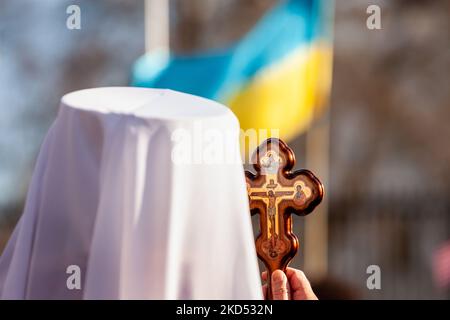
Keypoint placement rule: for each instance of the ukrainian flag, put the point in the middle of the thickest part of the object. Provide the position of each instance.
(277, 76)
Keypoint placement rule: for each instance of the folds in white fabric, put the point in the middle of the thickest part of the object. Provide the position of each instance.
(108, 197)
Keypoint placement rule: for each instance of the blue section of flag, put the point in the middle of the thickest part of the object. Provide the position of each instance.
(219, 74)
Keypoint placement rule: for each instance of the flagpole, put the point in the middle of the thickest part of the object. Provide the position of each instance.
(318, 159)
(157, 29)
(316, 225)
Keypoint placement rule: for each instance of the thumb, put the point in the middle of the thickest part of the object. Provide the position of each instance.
(280, 290)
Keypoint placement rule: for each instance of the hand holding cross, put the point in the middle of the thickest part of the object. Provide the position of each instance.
(275, 193)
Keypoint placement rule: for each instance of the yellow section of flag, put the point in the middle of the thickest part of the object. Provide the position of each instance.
(287, 95)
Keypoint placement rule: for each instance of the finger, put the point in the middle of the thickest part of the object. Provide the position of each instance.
(264, 276)
(300, 286)
(280, 289)
(264, 289)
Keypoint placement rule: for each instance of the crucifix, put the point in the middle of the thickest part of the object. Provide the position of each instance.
(275, 192)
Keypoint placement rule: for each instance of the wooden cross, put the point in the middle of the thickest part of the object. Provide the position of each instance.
(275, 192)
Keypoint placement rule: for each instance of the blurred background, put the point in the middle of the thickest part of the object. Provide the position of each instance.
(380, 142)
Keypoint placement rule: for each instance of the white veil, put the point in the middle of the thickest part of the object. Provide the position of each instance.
(109, 207)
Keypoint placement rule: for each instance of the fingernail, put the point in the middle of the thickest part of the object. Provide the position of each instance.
(277, 275)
